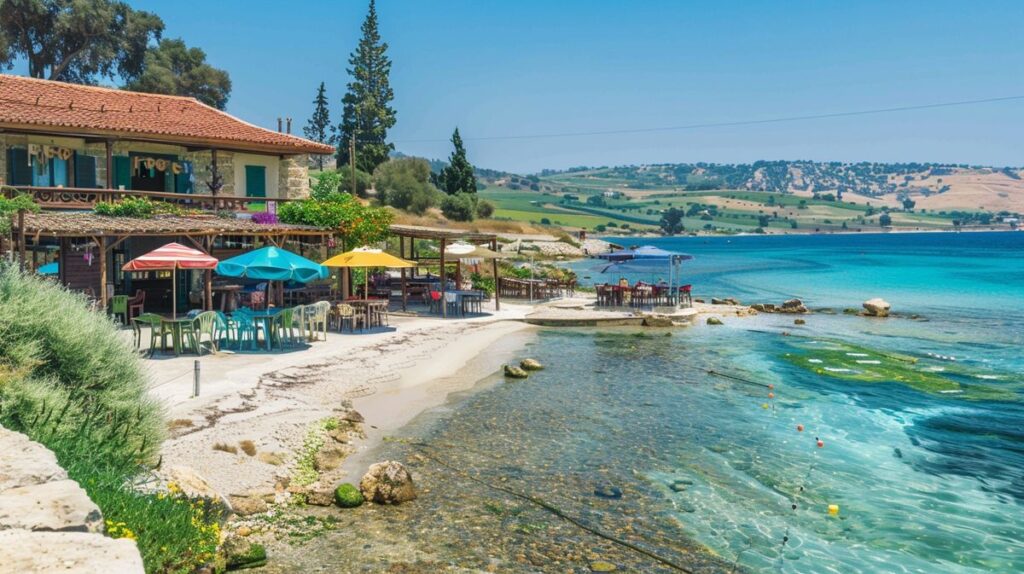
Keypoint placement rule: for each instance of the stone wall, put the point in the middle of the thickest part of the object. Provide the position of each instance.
(4, 179)
(293, 177)
(47, 522)
(201, 161)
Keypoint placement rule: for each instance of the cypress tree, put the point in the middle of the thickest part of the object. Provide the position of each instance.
(457, 176)
(366, 111)
(319, 128)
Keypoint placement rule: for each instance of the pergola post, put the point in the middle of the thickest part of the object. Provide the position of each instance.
(405, 292)
(443, 302)
(497, 280)
(109, 145)
(21, 237)
(208, 279)
(102, 242)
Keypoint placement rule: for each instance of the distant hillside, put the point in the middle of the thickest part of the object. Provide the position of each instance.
(931, 185)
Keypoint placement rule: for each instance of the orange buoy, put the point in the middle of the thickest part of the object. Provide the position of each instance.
(771, 386)
(771, 395)
(821, 443)
(799, 428)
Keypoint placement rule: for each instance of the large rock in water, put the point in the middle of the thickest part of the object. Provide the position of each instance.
(657, 321)
(388, 482)
(793, 306)
(876, 307)
(530, 365)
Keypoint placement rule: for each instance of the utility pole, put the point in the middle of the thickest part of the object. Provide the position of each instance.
(352, 162)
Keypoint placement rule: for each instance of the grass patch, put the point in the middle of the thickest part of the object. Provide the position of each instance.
(248, 447)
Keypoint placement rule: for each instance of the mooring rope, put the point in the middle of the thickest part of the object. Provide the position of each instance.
(739, 379)
(553, 510)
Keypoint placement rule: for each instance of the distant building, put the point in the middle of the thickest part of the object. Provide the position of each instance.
(612, 194)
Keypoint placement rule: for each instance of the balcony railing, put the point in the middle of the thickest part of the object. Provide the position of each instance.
(77, 198)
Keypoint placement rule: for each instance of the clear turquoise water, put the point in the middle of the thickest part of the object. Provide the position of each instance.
(925, 481)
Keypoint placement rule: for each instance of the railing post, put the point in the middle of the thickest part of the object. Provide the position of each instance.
(195, 379)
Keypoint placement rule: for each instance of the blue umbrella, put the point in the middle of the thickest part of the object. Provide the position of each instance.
(272, 264)
(48, 269)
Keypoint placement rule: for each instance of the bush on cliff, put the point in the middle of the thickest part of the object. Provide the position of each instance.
(70, 381)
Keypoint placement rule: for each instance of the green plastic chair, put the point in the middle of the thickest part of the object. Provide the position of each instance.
(204, 324)
(157, 332)
(284, 322)
(119, 306)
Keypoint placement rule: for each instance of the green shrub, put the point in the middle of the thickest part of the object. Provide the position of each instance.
(404, 183)
(459, 207)
(348, 496)
(137, 207)
(70, 381)
(484, 209)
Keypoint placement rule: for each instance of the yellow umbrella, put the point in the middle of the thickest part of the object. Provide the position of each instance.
(367, 257)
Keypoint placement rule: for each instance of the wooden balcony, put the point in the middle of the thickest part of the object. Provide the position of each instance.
(76, 198)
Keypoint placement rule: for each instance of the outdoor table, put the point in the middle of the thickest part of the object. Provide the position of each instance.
(176, 327)
(462, 295)
(228, 296)
(267, 317)
(366, 307)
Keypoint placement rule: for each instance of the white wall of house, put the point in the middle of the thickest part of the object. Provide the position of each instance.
(270, 162)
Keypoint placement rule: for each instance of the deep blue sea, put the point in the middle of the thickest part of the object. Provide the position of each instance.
(921, 422)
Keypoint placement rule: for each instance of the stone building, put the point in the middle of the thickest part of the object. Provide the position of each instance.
(55, 135)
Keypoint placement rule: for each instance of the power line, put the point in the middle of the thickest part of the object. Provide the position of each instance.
(729, 123)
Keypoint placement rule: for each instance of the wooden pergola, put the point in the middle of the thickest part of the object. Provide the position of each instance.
(109, 232)
(444, 236)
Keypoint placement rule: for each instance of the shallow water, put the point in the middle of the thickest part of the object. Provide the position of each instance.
(926, 477)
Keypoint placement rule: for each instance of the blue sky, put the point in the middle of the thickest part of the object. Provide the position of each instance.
(537, 67)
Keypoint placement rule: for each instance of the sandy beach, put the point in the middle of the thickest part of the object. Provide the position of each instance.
(273, 399)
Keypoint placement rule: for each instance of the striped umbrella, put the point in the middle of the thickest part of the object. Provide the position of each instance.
(172, 257)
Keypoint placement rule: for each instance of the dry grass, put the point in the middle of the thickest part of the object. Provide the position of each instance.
(434, 218)
(248, 447)
(225, 448)
(178, 424)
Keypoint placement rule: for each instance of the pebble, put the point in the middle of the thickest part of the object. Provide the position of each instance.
(602, 566)
(243, 531)
(609, 492)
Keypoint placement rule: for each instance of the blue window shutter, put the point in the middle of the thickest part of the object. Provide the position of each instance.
(85, 170)
(19, 172)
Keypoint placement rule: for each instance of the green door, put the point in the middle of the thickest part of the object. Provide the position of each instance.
(122, 172)
(255, 181)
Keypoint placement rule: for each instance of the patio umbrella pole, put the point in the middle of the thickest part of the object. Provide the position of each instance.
(174, 293)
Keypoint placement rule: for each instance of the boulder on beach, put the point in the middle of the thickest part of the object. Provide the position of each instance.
(348, 496)
(387, 482)
(246, 505)
(876, 307)
(714, 321)
(530, 365)
(514, 372)
(724, 301)
(195, 486)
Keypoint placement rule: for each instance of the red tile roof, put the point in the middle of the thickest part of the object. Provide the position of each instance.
(45, 106)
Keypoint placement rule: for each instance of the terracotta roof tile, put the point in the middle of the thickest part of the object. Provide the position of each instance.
(175, 119)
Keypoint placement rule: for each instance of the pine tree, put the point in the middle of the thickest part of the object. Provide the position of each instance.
(366, 111)
(319, 128)
(457, 176)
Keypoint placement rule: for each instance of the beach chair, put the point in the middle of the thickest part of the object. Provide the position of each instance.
(284, 322)
(246, 327)
(119, 308)
(345, 312)
(226, 330)
(136, 305)
(157, 332)
(203, 323)
(316, 317)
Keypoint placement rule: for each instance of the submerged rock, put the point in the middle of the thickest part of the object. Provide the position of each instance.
(530, 365)
(514, 372)
(320, 497)
(799, 322)
(657, 321)
(330, 457)
(714, 321)
(387, 482)
(602, 566)
(876, 307)
(608, 491)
